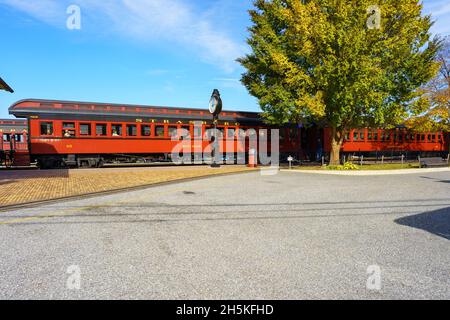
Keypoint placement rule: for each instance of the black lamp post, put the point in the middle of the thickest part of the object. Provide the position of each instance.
(215, 107)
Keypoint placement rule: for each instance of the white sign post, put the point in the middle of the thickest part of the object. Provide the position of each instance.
(290, 159)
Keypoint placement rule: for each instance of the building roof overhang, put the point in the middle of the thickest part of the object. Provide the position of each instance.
(5, 86)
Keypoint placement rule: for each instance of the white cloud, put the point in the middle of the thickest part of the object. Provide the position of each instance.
(173, 21)
(48, 11)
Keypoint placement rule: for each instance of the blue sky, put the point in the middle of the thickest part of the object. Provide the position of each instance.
(158, 52)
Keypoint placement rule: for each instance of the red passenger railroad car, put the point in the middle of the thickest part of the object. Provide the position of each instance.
(14, 142)
(62, 133)
(394, 141)
(65, 133)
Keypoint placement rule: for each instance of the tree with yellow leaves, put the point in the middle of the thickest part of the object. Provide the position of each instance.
(432, 111)
(346, 64)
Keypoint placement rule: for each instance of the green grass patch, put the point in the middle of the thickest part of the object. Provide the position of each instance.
(369, 167)
(391, 166)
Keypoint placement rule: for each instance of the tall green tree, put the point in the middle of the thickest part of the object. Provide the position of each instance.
(346, 64)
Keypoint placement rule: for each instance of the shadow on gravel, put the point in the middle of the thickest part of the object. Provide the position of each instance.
(436, 222)
(437, 180)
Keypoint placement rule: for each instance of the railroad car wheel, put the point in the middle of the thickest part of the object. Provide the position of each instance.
(100, 163)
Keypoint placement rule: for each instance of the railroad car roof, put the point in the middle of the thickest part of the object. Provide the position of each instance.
(36, 107)
(7, 125)
(4, 86)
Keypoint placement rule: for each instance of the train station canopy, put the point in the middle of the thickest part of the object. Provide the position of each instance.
(4, 86)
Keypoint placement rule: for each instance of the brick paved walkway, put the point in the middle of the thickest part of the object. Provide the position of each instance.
(18, 187)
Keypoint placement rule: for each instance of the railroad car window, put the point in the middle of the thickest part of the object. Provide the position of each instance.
(374, 136)
(388, 137)
(282, 135)
(355, 136)
(197, 131)
(209, 133)
(159, 131)
(68, 125)
(241, 134)
(131, 130)
(220, 132)
(422, 137)
(361, 135)
(6, 137)
(100, 130)
(439, 138)
(347, 136)
(146, 131)
(185, 132)
(293, 133)
(116, 130)
(173, 132)
(400, 137)
(262, 133)
(85, 129)
(46, 128)
(68, 130)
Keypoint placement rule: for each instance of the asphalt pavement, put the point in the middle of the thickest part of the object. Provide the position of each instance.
(245, 236)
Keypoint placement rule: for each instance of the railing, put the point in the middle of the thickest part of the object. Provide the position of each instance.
(13, 145)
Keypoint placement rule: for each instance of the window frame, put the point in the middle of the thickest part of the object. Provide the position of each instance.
(143, 126)
(129, 126)
(172, 131)
(71, 127)
(113, 127)
(180, 132)
(89, 134)
(231, 129)
(52, 128)
(105, 125)
(198, 132)
(163, 131)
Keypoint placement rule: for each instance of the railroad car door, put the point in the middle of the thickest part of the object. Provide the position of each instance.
(312, 143)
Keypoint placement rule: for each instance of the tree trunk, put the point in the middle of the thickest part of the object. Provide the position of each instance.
(337, 138)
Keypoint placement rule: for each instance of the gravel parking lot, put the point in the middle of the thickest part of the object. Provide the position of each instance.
(245, 236)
